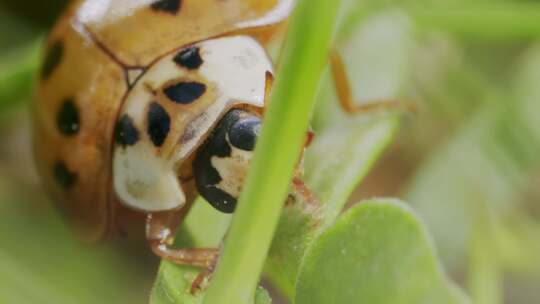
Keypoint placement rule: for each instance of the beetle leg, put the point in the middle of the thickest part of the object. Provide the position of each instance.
(310, 135)
(305, 194)
(200, 283)
(268, 88)
(344, 92)
(160, 231)
(199, 257)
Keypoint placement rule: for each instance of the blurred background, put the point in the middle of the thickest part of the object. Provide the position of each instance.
(467, 162)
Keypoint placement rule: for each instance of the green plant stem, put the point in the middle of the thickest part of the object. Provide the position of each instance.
(486, 20)
(283, 134)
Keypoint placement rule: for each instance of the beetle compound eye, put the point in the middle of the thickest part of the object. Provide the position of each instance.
(244, 133)
(222, 162)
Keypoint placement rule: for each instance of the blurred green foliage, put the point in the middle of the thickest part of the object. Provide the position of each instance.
(466, 162)
(35, 13)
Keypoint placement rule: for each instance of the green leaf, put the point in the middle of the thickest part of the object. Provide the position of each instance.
(345, 146)
(295, 233)
(337, 162)
(358, 146)
(378, 252)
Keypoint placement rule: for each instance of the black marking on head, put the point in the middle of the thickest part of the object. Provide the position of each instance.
(189, 58)
(206, 176)
(244, 133)
(126, 133)
(63, 176)
(52, 59)
(220, 199)
(185, 92)
(159, 124)
(168, 6)
(217, 144)
(67, 120)
(206, 179)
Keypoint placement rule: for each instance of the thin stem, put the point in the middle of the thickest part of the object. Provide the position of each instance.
(283, 135)
(476, 20)
(483, 20)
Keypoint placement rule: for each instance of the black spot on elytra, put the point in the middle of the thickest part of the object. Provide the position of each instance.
(67, 120)
(159, 124)
(126, 133)
(167, 6)
(52, 59)
(189, 58)
(185, 92)
(63, 176)
(244, 133)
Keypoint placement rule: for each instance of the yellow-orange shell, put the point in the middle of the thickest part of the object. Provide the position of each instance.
(84, 80)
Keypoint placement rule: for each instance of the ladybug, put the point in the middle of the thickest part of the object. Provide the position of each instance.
(142, 105)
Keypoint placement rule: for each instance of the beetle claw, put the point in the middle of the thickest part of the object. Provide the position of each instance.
(201, 282)
(309, 138)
